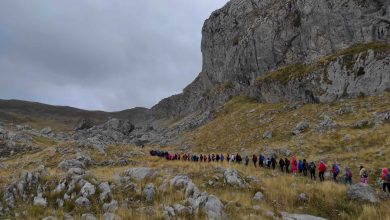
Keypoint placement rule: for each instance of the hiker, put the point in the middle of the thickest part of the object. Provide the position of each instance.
(238, 159)
(217, 158)
(261, 160)
(335, 171)
(300, 166)
(281, 164)
(294, 165)
(228, 157)
(348, 176)
(363, 175)
(232, 158)
(209, 158)
(246, 160)
(386, 180)
(254, 159)
(273, 163)
(201, 158)
(213, 157)
(304, 167)
(322, 170)
(287, 164)
(312, 170)
(268, 163)
(222, 158)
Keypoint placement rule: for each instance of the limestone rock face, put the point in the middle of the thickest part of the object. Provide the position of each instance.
(246, 39)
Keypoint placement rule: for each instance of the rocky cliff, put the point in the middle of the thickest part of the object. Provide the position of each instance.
(247, 39)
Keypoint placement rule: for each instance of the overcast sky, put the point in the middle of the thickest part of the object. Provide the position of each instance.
(100, 54)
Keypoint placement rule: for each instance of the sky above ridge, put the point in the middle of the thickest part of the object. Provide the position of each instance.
(99, 54)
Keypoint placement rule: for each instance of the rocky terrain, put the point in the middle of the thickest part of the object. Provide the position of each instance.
(310, 78)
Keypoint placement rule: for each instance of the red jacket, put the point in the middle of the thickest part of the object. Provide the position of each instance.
(322, 167)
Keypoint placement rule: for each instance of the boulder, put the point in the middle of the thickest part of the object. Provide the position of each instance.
(168, 213)
(302, 197)
(267, 135)
(182, 210)
(87, 190)
(67, 216)
(139, 173)
(83, 124)
(180, 181)
(149, 192)
(214, 208)
(123, 126)
(105, 191)
(110, 207)
(288, 216)
(72, 163)
(258, 196)
(46, 131)
(300, 128)
(83, 202)
(362, 192)
(40, 201)
(231, 177)
(88, 216)
(111, 216)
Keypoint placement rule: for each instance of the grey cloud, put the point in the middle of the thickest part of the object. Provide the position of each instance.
(99, 54)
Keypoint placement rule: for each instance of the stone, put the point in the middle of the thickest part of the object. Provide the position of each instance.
(72, 163)
(267, 135)
(182, 210)
(82, 201)
(111, 216)
(149, 192)
(67, 216)
(362, 124)
(168, 213)
(362, 192)
(180, 181)
(300, 128)
(139, 173)
(40, 201)
(88, 216)
(49, 218)
(288, 216)
(110, 207)
(231, 177)
(105, 191)
(83, 124)
(214, 208)
(88, 190)
(302, 197)
(46, 131)
(76, 171)
(259, 196)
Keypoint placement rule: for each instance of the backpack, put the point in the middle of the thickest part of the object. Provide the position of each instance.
(349, 174)
(365, 174)
(337, 169)
(388, 177)
(312, 167)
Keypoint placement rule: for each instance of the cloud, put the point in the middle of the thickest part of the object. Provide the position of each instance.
(99, 54)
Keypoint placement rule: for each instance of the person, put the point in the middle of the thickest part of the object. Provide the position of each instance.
(312, 169)
(335, 171)
(273, 163)
(222, 158)
(217, 158)
(228, 157)
(363, 175)
(304, 167)
(246, 160)
(261, 160)
(287, 164)
(213, 157)
(348, 176)
(385, 176)
(281, 164)
(201, 158)
(254, 159)
(268, 163)
(300, 166)
(322, 170)
(209, 158)
(294, 165)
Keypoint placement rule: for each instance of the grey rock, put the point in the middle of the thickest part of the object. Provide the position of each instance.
(288, 216)
(49, 218)
(258, 196)
(83, 124)
(139, 173)
(300, 128)
(88, 216)
(168, 213)
(149, 192)
(267, 135)
(180, 181)
(326, 124)
(362, 124)
(46, 131)
(76, 171)
(88, 190)
(110, 207)
(362, 192)
(302, 197)
(214, 208)
(232, 177)
(382, 117)
(67, 216)
(105, 191)
(73, 163)
(111, 216)
(40, 201)
(182, 210)
(83, 202)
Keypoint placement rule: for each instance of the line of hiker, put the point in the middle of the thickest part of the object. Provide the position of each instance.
(293, 165)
